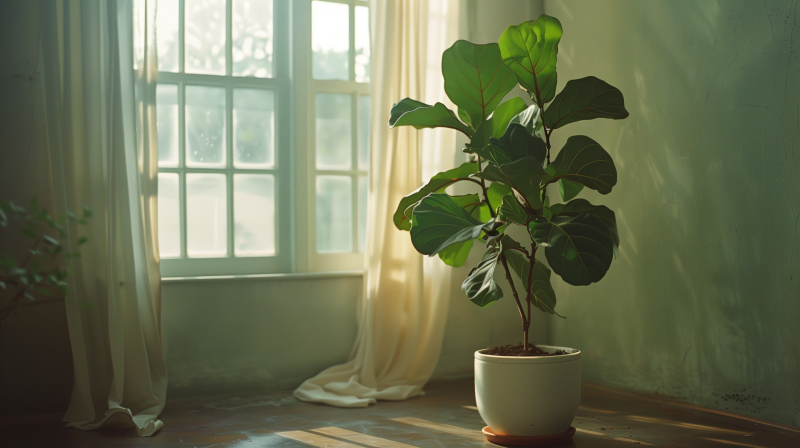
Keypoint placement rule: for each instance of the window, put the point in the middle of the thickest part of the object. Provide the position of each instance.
(263, 134)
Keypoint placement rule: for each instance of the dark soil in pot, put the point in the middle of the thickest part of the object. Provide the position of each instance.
(519, 350)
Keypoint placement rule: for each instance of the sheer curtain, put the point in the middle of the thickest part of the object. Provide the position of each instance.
(97, 159)
(404, 308)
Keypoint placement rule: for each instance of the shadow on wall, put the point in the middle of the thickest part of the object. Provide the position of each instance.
(702, 303)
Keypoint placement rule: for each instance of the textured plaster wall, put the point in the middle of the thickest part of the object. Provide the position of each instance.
(704, 302)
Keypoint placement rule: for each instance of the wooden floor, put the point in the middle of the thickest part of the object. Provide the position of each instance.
(445, 417)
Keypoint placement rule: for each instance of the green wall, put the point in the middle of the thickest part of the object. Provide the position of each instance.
(703, 303)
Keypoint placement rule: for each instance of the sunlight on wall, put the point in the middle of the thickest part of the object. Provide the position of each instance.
(702, 304)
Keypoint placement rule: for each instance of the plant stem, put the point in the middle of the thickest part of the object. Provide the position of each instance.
(485, 193)
(526, 322)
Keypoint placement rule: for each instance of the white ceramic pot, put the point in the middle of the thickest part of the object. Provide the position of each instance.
(528, 396)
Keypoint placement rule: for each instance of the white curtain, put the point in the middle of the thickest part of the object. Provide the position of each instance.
(403, 311)
(98, 160)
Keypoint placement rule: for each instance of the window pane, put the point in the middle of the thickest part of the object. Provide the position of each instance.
(205, 126)
(253, 128)
(363, 132)
(334, 214)
(205, 36)
(362, 213)
(330, 40)
(254, 214)
(252, 38)
(334, 131)
(362, 44)
(206, 215)
(167, 22)
(167, 124)
(169, 216)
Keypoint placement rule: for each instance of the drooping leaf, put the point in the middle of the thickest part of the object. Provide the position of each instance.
(479, 285)
(495, 194)
(528, 118)
(438, 221)
(546, 208)
(584, 161)
(475, 79)
(496, 125)
(525, 176)
(568, 189)
(605, 214)
(456, 254)
(415, 113)
(578, 248)
(440, 181)
(585, 99)
(530, 49)
(512, 211)
(473, 204)
(514, 145)
(540, 288)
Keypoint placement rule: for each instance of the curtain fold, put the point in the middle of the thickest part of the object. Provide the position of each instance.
(103, 154)
(403, 309)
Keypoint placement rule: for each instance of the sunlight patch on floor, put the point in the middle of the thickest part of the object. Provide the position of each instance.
(662, 421)
(450, 429)
(729, 442)
(363, 439)
(316, 440)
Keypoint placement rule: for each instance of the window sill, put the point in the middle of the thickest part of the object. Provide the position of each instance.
(285, 276)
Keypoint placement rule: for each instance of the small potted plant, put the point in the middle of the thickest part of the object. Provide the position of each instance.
(524, 390)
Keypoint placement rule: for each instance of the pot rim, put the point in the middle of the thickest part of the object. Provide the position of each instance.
(572, 355)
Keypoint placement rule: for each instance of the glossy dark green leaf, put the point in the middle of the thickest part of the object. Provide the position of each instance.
(496, 125)
(578, 248)
(530, 49)
(475, 79)
(438, 182)
(414, 113)
(568, 189)
(579, 206)
(585, 99)
(584, 161)
(525, 176)
(541, 289)
(473, 204)
(514, 145)
(528, 118)
(479, 285)
(495, 193)
(438, 221)
(456, 254)
(512, 211)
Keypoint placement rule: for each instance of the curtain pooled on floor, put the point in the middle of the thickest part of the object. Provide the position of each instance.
(403, 311)
(100, 158)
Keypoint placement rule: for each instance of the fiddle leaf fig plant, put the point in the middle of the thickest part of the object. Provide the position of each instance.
(510, 163)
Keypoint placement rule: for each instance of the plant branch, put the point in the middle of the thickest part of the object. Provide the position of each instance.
(485, 192)
(525, 319)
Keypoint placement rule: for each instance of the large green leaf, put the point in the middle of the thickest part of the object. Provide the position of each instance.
(440, 181)
(456, 255)
(568, 189)
(415, 113)
(496, 125)
(584, 161)
(578, 206)
(514, 145)
(479, 285)
(438, 221)
(525, 176)
(512, 211)
(540, 288)
(578, 248)
(495, 193)
(530, 49)
(473, 204)
(585, 99)
(475, 79)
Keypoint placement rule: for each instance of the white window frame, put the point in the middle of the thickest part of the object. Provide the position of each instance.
(295, 167)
